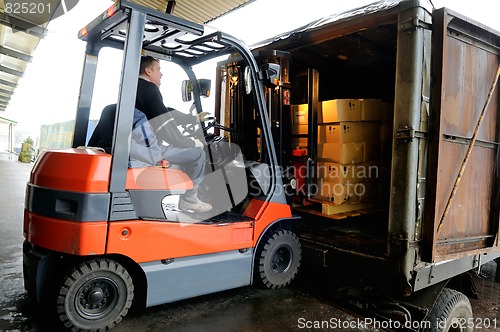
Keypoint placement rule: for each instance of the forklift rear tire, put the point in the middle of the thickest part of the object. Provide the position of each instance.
(451, 312)
(278, 260)
(96, 295)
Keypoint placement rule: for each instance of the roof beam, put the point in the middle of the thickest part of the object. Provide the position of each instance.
(7, 120)
(3, 97)
(7, 92)
(19, 24)
(15, 54)
(8, 83)
(11, 71)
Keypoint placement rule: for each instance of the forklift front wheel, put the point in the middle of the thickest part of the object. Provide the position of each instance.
(278, 260)
(96, 295)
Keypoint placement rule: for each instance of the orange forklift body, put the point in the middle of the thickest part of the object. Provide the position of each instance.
(109, 234)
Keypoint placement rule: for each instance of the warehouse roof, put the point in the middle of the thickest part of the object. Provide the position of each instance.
(20, 33)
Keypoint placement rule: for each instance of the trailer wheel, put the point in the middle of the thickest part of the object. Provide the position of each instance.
(451, 312)
(96, 295)
(278, 260)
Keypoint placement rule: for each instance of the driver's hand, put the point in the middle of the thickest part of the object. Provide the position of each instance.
(201, 116)
(198, 143)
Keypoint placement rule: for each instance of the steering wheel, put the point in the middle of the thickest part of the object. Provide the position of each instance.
(212, 123)
(192, 129)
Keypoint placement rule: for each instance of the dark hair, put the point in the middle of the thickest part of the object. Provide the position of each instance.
(146, 61)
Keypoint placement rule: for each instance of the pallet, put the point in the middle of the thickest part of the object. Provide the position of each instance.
(342, 211)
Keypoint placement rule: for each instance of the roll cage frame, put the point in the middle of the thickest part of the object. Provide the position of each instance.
(138, 30)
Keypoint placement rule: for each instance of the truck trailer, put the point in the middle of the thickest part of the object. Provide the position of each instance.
(429, 79)
(395, 87)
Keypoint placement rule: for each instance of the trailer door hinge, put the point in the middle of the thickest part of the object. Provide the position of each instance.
(407, 134)
(413, 23)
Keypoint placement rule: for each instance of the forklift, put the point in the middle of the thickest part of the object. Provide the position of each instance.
(101, 237)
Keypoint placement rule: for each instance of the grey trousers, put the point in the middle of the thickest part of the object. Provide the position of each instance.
(191, 161)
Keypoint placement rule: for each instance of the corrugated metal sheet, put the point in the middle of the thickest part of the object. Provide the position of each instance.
(195, 10)
(20, 36)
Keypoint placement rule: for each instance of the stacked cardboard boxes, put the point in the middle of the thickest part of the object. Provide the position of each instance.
(349, 135)
(300, 116)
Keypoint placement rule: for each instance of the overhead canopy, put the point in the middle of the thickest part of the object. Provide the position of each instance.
(195, 10)
(20, 35)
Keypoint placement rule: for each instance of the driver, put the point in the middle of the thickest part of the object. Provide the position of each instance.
(184, 151)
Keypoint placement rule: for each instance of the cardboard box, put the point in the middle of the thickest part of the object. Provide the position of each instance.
(352, 192)
(300, 129)
(371, 109)
(352, 173)
(330, 209)
(337, 110)
(338, 193)
(348, 132)
(300, 114)
(343, 153)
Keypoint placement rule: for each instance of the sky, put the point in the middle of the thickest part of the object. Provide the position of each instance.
(48, 91)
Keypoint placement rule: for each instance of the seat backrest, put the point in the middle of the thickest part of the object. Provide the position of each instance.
(144, 148)
(102, 137)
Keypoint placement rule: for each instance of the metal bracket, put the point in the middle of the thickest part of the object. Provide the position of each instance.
(404, 244)
(407, 134)
(413, 23)
(466, 140)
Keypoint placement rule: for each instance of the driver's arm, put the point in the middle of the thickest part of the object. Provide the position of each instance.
(182, 118)
(166, 129)
(163, 120)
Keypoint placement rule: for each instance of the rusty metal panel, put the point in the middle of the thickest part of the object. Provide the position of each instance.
(465, 62)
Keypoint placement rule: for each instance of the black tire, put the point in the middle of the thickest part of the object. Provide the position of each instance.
(95, 296)
(451, 312)
(278, 260)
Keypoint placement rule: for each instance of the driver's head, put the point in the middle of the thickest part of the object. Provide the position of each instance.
(150, 70)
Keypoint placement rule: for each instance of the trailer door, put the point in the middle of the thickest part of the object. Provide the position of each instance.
(462, 179)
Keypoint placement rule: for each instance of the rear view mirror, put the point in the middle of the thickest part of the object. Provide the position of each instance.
(269, 73)
(204, 86)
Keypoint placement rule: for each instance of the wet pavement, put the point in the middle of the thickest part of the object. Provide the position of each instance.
(243, 309)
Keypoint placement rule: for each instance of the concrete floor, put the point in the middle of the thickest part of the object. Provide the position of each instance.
(243, 309)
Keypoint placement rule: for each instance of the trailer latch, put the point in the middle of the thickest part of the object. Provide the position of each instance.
(407, 134)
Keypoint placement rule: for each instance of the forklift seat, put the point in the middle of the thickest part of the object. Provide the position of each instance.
(144, 148)
(144, 153)
(102, 137)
